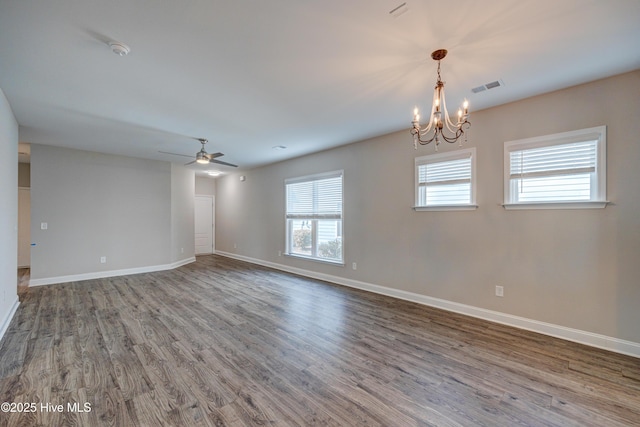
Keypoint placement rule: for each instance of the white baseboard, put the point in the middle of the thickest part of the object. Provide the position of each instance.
(583, 337)
(109, 273)
(7, 320)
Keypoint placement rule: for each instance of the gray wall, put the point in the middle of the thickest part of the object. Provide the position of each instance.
(205, 186)
(103, 205)
(182, 213)
(8, 211)
(574, 268)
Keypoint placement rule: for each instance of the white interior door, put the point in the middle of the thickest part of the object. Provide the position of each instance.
(24, 227)
(204, 224)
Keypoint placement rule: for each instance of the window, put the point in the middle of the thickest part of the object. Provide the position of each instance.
(446, 181)
(565, 170)
(314, 216)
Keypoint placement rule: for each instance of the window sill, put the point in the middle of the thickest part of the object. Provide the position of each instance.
(556, 205)
(445, 208)
(321, 260)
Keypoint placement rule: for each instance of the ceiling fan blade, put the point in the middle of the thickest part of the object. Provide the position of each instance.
(214, 155)
(190, 163)
(174, 154)
(223, 163)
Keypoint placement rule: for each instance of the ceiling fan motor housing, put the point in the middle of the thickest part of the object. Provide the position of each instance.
(201, 156)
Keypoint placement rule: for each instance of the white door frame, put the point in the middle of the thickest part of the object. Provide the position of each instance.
(209, 249)
(24, 227)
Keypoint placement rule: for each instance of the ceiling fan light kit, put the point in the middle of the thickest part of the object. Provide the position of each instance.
(204, 158)
(439, 118)
(201, 157)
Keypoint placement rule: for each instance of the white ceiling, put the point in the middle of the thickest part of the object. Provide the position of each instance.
(309, 75)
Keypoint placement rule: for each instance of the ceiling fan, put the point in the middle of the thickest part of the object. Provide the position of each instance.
(202, 157)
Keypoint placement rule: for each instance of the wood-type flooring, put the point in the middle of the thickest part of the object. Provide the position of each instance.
(23, 281)
(220, 342)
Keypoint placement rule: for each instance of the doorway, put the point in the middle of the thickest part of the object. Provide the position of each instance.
(205, 224)
(24, 227)
(24, 218)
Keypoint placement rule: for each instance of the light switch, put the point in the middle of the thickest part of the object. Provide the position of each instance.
(43, 226)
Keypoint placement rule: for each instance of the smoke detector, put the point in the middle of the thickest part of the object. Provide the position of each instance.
(120, 49)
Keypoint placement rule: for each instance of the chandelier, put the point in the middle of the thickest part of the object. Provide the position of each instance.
(439, 118)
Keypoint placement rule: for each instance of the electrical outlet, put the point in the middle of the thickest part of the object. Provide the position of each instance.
(499, 291)
(181, 250)
(103, 260)
(354, 266)
(279, 253)
(44, 226)
(235, 246)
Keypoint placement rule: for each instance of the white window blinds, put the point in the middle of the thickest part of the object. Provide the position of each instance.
(315, 197)
(445, 179)
(561, 169)
(554, 173)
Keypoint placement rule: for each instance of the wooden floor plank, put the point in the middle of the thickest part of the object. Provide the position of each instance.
(225, 343)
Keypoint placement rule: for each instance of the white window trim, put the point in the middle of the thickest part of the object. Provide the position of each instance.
(556, 205)
(313, 177)
(445, 208)
(598, 133)
(443, 157)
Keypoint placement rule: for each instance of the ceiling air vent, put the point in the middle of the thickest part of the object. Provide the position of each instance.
(497, 83)
(399, 10)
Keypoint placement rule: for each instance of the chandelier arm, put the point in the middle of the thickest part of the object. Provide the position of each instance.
(425, 129)
(458, 133)
(452, 139)
(430, 123)
(451, 127)
(445, 112)
(418, 136)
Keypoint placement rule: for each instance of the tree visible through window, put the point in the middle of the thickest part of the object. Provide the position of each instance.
(314, 216)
